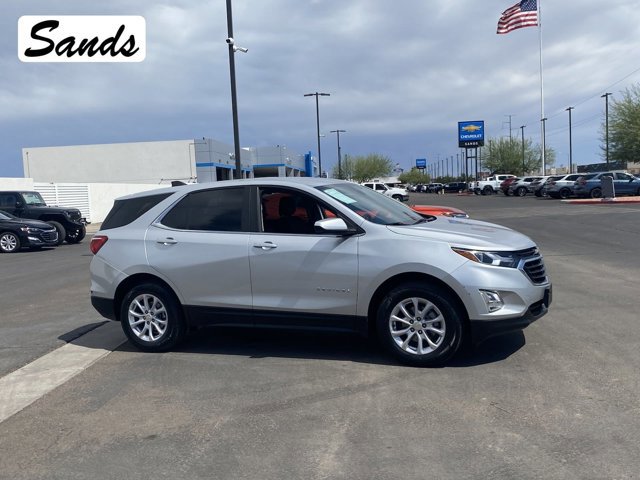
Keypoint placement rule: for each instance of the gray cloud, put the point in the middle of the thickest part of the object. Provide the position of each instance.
(401, 75)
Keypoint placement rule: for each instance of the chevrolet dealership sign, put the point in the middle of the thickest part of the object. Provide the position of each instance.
(471, 134)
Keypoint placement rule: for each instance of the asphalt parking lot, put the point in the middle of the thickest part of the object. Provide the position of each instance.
(560, 400)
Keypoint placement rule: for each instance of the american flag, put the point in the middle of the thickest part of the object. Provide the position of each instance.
(522, 14)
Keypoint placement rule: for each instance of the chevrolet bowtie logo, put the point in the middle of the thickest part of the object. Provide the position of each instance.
(471, 128)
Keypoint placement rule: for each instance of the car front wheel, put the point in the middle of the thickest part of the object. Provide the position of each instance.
(9, 242)
(77, 235)
(419, 324)
(596, 193)
(151, 318)
(62, 233)
(521, 191)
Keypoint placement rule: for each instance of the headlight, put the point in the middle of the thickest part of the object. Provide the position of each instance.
(31, 229)
(497, 259)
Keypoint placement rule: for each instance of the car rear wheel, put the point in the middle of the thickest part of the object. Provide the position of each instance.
(419, 324)
(565, 193)
(596, 192)
(77, 235)
(9, 242)
(151, 318)
(62, 233)
(487, 191)
(521, 191)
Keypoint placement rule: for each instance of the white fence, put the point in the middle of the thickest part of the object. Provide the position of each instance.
(67, 195)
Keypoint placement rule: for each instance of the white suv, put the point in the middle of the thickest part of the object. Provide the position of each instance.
(310, 253)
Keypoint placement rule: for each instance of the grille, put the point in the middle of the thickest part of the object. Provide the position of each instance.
(534, 268)
(50, 236)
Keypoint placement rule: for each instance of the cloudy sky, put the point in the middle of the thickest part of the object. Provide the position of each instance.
(401, 74)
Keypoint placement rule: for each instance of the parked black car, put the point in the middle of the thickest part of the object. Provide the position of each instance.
(16, 233)
(67, 221)
(455, 187)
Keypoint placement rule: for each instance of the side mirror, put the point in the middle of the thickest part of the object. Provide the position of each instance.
(335, 226)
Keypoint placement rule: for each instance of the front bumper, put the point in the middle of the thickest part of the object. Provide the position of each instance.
(481, 330)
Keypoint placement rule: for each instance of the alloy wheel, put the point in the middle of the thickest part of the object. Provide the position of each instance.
(148, 317)
(417, 326)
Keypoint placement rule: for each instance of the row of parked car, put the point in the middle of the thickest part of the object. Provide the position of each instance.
(453, 187)
(571, 185)
(26, 221)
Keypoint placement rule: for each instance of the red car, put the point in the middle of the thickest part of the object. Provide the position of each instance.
(504, 186)
(439, 210)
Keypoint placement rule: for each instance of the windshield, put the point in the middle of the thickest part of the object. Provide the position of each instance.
(372, 206)
(33, 198)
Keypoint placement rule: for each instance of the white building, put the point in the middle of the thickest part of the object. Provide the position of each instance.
(203, 160)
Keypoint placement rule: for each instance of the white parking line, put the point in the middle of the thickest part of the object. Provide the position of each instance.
(21, 388)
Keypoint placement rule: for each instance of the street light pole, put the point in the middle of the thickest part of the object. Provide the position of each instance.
(570, 142)
(317, 94)
(234, 99)
(606, 116)
(338, 132)
(544, 146)
(522, 131)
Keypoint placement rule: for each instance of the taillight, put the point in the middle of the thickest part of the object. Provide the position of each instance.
(97, 242)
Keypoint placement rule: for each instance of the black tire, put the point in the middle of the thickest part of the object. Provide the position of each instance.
(444, 337)
(9, 242)
(397, 197)
(521, 191)
(62, 233)
(565, 193)
(77, 235)
(487, 191)
(155, 308)
(596, 192)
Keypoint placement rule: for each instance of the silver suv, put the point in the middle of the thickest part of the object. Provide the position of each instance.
(311, 253)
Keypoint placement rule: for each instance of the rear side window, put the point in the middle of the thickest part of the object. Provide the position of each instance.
(126, 211)
(218, 210)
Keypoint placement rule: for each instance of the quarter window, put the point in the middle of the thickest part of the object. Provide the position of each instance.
(218, 210)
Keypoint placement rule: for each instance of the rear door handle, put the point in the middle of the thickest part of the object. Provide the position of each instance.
(265, 245)
(167, 241)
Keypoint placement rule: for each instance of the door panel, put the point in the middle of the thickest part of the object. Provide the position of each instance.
(304, 273)
(209, 268)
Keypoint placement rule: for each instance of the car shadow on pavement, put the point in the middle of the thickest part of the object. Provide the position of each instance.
(492, 350)
(259, 344)
(75, 334)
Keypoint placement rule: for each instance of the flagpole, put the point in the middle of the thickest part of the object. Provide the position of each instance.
(542, 118)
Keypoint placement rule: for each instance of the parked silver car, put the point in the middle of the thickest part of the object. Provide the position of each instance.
(521, 186)
(563, 187)
(311, 253)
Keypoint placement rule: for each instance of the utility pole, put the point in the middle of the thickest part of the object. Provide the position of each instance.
(338, 132)
(544, 146)
(510, 137)
(522, 131)
(606, 117)
(317, 94)
(570, 145)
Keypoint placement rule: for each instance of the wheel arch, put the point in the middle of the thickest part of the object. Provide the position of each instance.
(401, 278)
(137, 279)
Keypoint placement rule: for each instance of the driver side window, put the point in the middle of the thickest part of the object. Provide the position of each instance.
(290, 211)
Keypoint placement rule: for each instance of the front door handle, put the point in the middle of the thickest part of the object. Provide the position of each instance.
(167, 241)
(265, 245)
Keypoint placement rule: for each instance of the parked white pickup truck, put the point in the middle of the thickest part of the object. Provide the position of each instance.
(393, 192)
(490, 185)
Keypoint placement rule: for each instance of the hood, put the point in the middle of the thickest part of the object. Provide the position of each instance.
(462, 232)
(25, 222)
